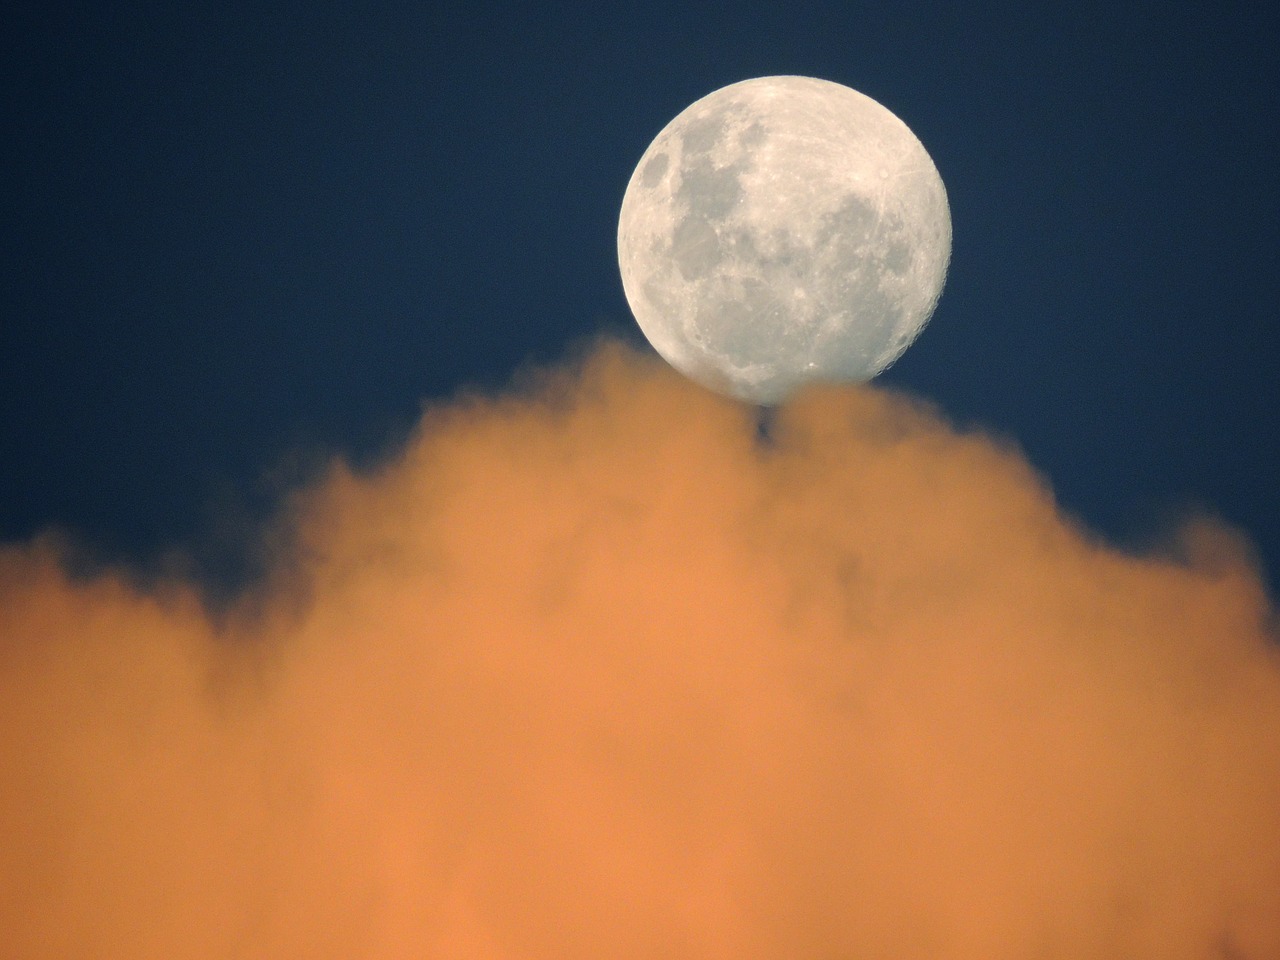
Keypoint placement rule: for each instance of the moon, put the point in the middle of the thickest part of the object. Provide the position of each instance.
(781, 231)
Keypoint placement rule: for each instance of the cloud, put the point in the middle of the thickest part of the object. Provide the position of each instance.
(596, 670)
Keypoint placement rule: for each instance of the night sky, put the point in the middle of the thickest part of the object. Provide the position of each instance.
(240, 238)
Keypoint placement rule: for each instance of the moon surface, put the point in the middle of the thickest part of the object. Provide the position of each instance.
(780, 231)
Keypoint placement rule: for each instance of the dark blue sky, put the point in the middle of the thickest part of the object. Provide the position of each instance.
(238, 236)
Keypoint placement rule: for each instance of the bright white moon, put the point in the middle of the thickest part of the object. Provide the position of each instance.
(780, 231)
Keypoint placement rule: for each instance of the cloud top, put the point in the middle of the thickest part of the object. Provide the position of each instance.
(596, 669)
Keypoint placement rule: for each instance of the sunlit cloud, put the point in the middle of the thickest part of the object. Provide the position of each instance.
(595, 669)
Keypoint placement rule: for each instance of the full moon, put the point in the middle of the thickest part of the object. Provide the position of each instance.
(781, 231)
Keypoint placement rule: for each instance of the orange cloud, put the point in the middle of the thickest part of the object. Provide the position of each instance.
(595, 670)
